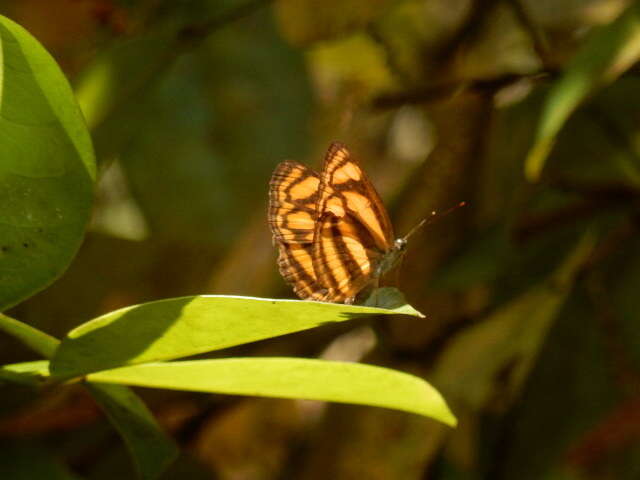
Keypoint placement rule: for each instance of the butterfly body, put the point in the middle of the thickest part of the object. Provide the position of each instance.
(391, 258)
(333, 233)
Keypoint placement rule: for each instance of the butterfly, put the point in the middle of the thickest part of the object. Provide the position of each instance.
(334, 236)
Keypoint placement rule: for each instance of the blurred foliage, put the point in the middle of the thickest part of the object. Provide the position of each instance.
(530, 291)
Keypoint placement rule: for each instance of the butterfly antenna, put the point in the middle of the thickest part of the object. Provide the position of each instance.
(431, 218)
(414, 229)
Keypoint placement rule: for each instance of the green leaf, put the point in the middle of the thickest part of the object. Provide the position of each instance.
(37, 340)
(152, 450)
(46, 168)
(608, 53)
(30, 374)
(180, 327)
(291, 378)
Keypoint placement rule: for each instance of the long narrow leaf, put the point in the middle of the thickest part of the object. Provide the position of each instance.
(291, 378)
(607, 54)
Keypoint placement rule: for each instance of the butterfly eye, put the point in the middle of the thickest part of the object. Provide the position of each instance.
(401, 243)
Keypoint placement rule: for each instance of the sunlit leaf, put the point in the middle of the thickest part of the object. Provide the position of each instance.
(27, 373)
(608, 53)
(291, 378)
(179, 327)
(46, 168)
(152, 450)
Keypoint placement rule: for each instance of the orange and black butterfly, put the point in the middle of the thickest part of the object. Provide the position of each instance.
(333, 233)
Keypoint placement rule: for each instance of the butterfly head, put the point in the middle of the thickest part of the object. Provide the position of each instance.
(400, 244)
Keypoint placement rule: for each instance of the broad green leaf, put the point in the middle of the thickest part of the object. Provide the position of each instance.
(152, 450)
(37, 340)
(180, 327)
(291, 378)
(607, 54)
(27, 373)
(507, 341)
(46, 168)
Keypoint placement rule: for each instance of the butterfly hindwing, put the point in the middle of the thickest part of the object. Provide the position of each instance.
(293, 195)
(344, 256)
(296, 267)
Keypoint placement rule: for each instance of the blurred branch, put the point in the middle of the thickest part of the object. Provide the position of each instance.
(597, 198)
(473, 24)
(193, 35)
(433, 93)
(538, 39)
(389, 54)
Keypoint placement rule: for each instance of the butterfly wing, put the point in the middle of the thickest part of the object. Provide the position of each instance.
(346, 189)
(293, 195)
(344, 257)
(353, 230)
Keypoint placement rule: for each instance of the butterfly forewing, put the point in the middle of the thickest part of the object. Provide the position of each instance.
(343, 177)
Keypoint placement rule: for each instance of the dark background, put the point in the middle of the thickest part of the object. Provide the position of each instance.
(531, 292)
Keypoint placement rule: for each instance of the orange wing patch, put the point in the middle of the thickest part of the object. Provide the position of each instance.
(343, 177)
(293, 196)
(344, 256)
(296, 267)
